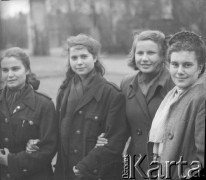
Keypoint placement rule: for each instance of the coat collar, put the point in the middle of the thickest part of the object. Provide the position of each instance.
(27, 98)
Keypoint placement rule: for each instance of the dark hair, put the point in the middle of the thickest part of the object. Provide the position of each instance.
(92, 45)
(188, 41)
(156, 36)
(21, 55)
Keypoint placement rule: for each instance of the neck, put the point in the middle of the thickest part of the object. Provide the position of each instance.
(16, 88)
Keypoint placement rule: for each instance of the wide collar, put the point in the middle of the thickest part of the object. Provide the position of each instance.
(95, 91)
(27, 99)
(135, 90)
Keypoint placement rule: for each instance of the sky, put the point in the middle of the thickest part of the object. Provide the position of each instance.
(13, 7)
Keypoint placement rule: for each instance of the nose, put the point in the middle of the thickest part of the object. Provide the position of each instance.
(180, 70)
(79, 61)
(145, 57)
(10, 73)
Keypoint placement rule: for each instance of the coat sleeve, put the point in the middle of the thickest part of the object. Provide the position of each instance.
(116, 131)
(23, 163)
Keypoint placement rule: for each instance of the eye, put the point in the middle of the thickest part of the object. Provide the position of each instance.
(5, 70)
(73, 58)
(139, 52)
(16, 68)
(188, 65)
(151, 52)
(84, 56)
(174, 64)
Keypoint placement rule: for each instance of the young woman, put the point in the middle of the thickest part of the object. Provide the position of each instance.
(178, 128)
(24, 114)
(144, 92)
(88, 105)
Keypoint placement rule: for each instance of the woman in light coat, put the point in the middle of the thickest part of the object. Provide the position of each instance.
(178, 128)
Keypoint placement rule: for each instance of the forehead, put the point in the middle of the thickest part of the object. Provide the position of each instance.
(78, 48)
(184, 56)
(11, 61)
(146, 44)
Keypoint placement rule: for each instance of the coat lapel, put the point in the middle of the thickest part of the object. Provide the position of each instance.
(136, 91)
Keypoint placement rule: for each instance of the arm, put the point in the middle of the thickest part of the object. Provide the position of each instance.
(24, 163)
(116, 133)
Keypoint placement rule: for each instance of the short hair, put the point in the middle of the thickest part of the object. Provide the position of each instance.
(154, 35)
(188, 41)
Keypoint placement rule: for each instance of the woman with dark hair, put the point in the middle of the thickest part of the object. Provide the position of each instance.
(178, 129)
(87, 105)
(25, 114)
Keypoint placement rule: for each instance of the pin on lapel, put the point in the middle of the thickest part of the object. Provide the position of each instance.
(17, 108)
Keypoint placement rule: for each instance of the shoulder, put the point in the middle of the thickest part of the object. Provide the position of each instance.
(112, 86)
(128, 79)
(42, 97)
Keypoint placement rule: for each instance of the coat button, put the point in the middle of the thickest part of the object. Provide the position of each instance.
(8, 175)
(170, 136)
(96, 117)
(78, 131)
(80, 112)
(6, 139)
(75, 150)
(31, 123)
(24, 170)
(95, 171)
(139, 132)
(6, 120)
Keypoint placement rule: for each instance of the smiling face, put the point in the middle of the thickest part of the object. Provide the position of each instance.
(147, 56)
(184, 68)
(81, 60)
(13, 72)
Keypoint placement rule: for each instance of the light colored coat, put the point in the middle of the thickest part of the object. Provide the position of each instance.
(185, 130)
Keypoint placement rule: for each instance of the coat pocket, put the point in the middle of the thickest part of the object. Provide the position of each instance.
(94, 125)
(26, 129)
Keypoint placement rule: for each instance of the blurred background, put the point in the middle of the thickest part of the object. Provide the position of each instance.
(41, 27)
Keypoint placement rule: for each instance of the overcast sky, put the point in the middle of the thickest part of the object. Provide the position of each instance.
(13, 7)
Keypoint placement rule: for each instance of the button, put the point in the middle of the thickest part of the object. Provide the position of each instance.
(8, 175)
(6, 139)
(78, 131)
(24, 170)
(170, 136)
(6, 120)
(31, 123)
(139, 132)
(75, 150)
(96, 117)
(95, 171)
(80, 112)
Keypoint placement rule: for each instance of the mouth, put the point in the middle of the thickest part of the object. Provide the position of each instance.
(11, 81)
(145, 65)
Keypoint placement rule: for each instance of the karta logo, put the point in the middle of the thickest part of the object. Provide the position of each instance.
(132, 165)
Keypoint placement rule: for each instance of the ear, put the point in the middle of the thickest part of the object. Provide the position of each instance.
(200, 68)
(95, 58)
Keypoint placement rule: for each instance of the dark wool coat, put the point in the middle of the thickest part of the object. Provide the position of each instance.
(33, 117)
(101, 109)
(140, 112)
(185, 132)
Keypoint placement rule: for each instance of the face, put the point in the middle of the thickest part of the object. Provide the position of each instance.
(13, 72)
(147, 56)
(81, 61)
(184, 68)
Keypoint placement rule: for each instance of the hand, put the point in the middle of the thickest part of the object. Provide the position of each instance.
(76, 171)
(101, 141)
(32, 145)
(4, 156)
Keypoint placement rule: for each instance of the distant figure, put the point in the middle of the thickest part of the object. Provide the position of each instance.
(87, 105)
(178, 128)
(25, 115)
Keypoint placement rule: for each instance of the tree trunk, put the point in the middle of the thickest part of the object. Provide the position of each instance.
(38, 32)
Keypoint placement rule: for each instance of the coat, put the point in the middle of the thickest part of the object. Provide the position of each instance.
(33, 118)
(185, 132)
(102, 109)
(140, 112)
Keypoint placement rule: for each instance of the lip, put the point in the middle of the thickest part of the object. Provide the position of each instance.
(11, 81)
(145, 65)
